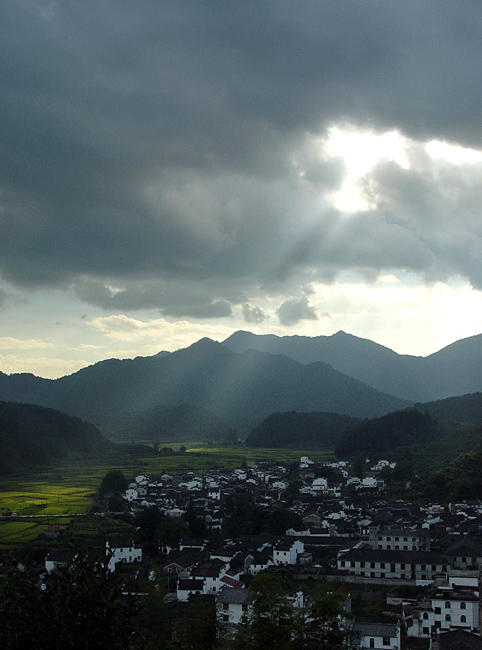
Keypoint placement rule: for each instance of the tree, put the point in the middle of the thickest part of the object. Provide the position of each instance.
(147, 521)
(243, 517)
(320, 624)
(82, 610)
(114, 482)
(279, 521)
(171, 530)
(271, 623)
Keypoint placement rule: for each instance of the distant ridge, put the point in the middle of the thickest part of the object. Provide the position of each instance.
(241, 389)
(454, 370)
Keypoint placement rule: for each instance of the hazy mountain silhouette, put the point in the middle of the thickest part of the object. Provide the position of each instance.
(454, 370)
(242, 389)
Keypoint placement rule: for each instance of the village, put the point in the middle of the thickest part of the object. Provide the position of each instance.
(426, 559)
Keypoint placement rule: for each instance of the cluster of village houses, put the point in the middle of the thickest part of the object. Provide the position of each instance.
(365, 541)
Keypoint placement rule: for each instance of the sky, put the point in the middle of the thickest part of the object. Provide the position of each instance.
(188, 168)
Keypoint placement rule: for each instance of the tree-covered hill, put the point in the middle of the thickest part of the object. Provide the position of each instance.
(32, 436)
(466, 409)
(459, 479)
(313, 430)
(384, 434)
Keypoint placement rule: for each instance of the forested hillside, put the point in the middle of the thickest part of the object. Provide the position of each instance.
(382, 435)
(301, 430)
(32, 436)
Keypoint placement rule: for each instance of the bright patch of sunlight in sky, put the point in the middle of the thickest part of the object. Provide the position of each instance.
(361, 151)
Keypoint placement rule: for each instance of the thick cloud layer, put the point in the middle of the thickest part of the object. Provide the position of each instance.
(161, 154)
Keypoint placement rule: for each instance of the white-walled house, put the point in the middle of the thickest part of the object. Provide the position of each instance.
(444, 610)
(379, 635)
(287, 551)
(187, 587)
(57, 560)
(232, 605)
(123, 551)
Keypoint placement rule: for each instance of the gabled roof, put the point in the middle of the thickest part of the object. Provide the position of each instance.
(457, 640)
(234, 596)
(376, 629)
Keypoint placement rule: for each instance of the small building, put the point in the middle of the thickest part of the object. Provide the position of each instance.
(232, 606)
(287, 551)
(379, 635)
(188, 587)
(122, 551)
(57, 560)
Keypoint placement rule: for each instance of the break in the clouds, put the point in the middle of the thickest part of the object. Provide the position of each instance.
(178, 156)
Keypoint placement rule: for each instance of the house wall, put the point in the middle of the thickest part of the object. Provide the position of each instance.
(380, 642)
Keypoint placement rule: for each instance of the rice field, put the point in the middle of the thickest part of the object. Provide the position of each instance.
(45, 498)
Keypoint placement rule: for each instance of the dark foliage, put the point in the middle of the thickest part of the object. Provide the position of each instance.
(32, 435)
(114, 482)
(383, 434)
(301, 430)
(81, 610)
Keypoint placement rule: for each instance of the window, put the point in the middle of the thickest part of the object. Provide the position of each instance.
(402, 566)
(425, 616)
(438, 610)
(226, 618)
(463, 619)
(397, 539)
(447, 605)
(245, 607)
(423, 567)
(342, 563)
(425, 630)
(386, 640)
(463, 605)
(225, 606)
(447, 617)
(372, 565)
(372, 643)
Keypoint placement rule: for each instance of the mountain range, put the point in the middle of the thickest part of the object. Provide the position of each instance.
(212, 387)
(241, 389)
(453, 370)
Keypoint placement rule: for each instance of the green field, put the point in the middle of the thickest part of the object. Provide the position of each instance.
(70, 489)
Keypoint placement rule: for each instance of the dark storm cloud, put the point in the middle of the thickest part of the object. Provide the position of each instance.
(172, 299)
(3, 298)
(294, 310)
(253, 314)
(147, 143)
